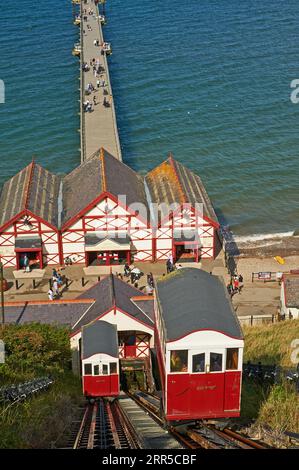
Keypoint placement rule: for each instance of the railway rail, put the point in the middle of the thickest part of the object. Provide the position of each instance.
(105, 426)
(200, 436)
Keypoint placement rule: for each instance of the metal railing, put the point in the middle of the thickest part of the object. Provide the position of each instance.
(110, 90)
(82, 90)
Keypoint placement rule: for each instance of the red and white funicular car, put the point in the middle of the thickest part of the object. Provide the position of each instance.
(199, 345)
(100, 364)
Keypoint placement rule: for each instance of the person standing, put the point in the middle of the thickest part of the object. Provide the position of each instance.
(56, 288)
(169, 266)
(236, 284)
(50, 294)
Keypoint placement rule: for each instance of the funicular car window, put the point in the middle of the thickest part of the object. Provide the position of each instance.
(105, 369)
(215, 362)
(96, 370)
(87, 369)
(198, 362)
(179, 361)
(232, 358)
(113, 368)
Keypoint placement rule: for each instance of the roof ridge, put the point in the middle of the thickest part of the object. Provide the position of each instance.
(27, 190)
(172, 163)
(113, 290)
(103, 173)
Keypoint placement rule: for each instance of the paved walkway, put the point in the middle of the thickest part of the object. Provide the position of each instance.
(98, 127)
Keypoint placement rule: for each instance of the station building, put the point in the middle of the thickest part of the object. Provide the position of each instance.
(103, 213)
(289, 296)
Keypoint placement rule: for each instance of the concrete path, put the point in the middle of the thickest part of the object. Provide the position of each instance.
(98, 127)
(149, 432)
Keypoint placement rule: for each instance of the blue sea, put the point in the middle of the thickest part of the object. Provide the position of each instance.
(208, 80)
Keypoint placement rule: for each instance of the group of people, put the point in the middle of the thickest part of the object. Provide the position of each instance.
(235, 285)
(135, 274)
(87, 105)
(57, 282)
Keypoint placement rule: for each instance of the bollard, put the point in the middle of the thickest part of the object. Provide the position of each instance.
(82, 282)
(17, 284)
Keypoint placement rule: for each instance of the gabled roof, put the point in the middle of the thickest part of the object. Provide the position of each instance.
(99, 337)
(34, 189)
(291, 288)
(56, 313)
(109, 293)
(102, 173)
(173, 183)
(190, 300)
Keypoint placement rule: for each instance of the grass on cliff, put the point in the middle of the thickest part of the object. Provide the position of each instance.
(33, 350)
(276, 406)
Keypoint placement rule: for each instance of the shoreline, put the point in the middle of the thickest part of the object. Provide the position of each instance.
(283, 246)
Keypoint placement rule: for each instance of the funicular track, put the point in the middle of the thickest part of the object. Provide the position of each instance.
(104, 426)
(202, 435)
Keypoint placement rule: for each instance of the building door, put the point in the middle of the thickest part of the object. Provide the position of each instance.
(130, 346)
(185, 253)
(34, 259)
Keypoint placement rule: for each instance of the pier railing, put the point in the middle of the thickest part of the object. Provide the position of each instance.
(82, 91)
(110, 90)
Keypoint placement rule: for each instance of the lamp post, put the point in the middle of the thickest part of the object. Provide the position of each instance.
(2, 293)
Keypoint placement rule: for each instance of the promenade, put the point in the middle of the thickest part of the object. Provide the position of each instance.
(98, 126)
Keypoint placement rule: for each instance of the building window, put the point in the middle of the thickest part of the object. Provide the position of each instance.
(179, 361)
(232, 358)
(96, 370)
(113, 368)
(87, 369)
(198, 362)
(105, 369)
(215, 362)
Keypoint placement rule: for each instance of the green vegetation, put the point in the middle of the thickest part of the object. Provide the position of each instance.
(276, 406)
(34, 350)
(271, 344)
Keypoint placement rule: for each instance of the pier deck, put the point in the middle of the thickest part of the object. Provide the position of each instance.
(98, 127)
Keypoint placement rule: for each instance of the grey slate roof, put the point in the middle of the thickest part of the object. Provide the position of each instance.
(51, 313)
(109, 292)
(33, 188)
(191, 299)
(291, 285)
(172, 183)
(99, 337)
(101, 173)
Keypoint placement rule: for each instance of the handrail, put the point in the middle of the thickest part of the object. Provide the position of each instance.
(110, 91)
(82, 88)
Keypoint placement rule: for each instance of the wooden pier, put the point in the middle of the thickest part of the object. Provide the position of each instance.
(98, 127)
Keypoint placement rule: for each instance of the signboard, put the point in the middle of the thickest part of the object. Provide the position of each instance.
(2, 352)
(264, 275)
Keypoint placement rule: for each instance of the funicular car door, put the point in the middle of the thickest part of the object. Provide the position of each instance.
(178, 385)
(103, 380)
(206, 382)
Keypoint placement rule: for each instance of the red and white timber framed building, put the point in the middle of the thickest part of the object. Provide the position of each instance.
(120, 304)
(104, 213)
(105, 222)
(199, 346)
(188, 231)
(29, 218)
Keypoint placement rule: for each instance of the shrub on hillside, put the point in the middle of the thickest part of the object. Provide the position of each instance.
(34, 349)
